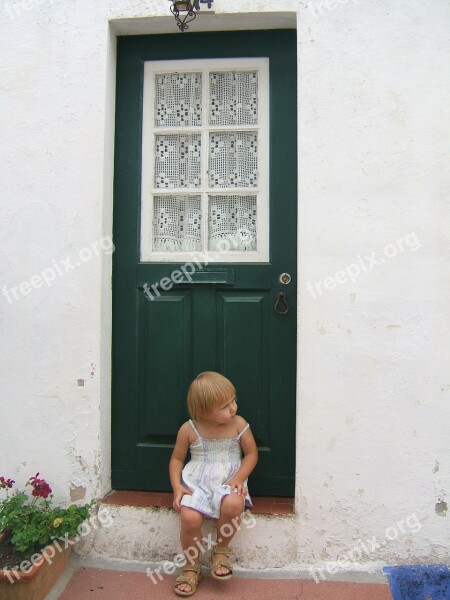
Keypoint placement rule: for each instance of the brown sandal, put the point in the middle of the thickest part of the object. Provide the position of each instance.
(192, 580)
(222, 562)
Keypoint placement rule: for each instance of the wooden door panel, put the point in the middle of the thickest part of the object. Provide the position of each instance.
(164, 330)
(243, 350)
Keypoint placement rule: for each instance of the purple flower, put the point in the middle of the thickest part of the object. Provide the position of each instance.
(6, 483)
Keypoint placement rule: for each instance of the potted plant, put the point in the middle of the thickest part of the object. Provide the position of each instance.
(35, 538)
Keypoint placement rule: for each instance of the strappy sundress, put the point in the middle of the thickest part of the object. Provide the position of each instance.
(213, 463)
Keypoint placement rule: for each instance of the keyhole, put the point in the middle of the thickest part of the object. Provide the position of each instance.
(285, 278)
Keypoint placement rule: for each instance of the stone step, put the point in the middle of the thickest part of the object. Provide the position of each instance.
(142, 533)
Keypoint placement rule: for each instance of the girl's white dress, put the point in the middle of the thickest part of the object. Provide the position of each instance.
(213, 463)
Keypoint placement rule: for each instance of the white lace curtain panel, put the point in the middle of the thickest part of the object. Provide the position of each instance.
(233, 98)
(232, 223)
(178, 100)
(232, 161)
(177, 223)
(177, 161)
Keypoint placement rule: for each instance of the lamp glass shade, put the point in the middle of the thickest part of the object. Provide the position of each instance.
(182, 6)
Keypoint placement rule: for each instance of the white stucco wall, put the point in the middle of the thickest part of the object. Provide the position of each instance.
(373, 380)
(374, 355)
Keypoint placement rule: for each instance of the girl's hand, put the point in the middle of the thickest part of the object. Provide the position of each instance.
(237, 487)
(178, 494)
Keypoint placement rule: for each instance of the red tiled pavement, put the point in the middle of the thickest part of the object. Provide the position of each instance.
(105, 584)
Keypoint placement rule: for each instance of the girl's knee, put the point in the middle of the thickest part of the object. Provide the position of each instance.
(190, 518)
(232, 506)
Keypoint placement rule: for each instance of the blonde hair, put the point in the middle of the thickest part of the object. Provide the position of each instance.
(208, 391)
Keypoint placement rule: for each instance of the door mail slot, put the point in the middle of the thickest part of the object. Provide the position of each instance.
(226, 277)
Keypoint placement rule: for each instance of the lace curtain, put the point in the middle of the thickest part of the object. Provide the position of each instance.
(178, 100)
(177, 161)
(232, 223)
(233, 98)
(177, 223)
(232, 161)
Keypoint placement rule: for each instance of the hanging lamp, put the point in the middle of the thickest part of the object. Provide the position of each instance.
(185, 11)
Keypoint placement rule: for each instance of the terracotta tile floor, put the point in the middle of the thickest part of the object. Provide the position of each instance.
(102, 584)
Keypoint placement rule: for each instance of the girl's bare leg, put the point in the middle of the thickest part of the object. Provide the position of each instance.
(230, 512)
(191, 532)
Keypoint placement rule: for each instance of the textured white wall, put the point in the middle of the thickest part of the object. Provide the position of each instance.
(56, 203)
(373, 379)
(373, 404)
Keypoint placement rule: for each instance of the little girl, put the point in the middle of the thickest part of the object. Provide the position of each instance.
(214, 482)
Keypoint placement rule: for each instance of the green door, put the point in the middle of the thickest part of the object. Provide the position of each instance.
(204, 274)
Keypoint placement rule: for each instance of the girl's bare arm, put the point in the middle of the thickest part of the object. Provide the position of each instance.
(249, 461)
(176, 465)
